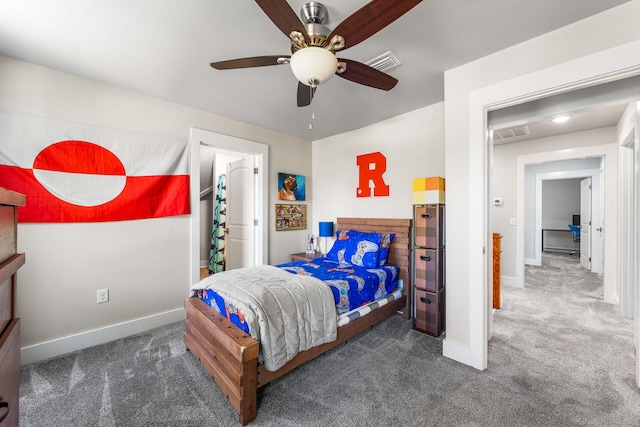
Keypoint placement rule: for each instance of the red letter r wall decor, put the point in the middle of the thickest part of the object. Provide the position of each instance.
(371, 167)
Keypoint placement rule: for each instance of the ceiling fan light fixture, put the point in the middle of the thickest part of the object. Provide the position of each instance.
(313, 65)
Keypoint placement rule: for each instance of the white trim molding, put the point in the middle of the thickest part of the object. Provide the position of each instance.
(565, 174)
(232, 144)
(601, 67)
(46, 350)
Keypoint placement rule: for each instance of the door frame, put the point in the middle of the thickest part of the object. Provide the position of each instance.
(627, 209)
(228, 143)
(609, 154)
(552, 176)
(591, 70)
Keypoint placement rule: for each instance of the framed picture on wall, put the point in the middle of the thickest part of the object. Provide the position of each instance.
(291, 187)
(291, 217)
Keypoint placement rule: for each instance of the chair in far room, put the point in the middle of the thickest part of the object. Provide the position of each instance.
(575, 234)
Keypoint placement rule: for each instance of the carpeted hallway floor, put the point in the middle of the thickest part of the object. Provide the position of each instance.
(559, 335)
(559, 356)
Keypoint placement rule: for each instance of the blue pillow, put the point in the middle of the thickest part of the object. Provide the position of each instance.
(387, 238)
(356, 248)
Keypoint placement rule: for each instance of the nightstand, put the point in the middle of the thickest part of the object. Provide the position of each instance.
(302, 256)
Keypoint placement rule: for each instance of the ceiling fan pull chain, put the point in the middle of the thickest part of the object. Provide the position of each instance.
(313, 116)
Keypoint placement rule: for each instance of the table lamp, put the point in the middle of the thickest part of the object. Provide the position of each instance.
(326, 230)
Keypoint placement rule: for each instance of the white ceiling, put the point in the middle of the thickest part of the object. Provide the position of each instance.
(163, 48)
(586, 119)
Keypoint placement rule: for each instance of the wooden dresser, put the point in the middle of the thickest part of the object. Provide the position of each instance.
(497, 249)
(10, 262)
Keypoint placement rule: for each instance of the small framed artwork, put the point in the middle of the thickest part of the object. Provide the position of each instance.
(291, 217)
(291, 187)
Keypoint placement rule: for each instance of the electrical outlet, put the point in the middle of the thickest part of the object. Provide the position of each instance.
(103, 295)
(512, 221)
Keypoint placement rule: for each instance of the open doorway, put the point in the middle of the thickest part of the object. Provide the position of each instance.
(560, 317)
(590, 135)
(213, 201)
(606, 175)
(466, 133)
(550, 152)
(566, 219)
(258, 153)
(560, 213)
(529, 222)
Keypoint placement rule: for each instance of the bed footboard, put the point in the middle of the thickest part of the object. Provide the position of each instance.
(228, 355)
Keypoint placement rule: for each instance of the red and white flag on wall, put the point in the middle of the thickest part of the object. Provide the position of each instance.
(77, 173)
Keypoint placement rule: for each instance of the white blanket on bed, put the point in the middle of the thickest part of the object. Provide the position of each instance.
(293, 312)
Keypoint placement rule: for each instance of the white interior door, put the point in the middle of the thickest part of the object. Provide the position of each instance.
(241, 214)
(585, 223)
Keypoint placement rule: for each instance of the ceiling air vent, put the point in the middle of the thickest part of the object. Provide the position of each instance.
(384, 62)
(507, 133)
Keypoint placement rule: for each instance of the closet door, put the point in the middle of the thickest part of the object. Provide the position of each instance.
(241, 214)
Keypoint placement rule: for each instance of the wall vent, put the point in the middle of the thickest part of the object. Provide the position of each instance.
(507, 133)
(384, 62)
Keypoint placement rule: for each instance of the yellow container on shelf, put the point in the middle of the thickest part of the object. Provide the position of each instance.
(428, 190)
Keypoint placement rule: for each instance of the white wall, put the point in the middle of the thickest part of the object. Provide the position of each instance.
(413, 145)
(297, 160)
(144, 263)
(584, 52)
(560, 200)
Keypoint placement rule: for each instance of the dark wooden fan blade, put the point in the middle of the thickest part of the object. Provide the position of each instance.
(255, 61)
(305, 94)
(283, 17)
(370, 19)
(365, 75)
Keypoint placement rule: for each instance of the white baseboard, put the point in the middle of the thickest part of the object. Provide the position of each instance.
(532, 261)
(46, 350)
(460, 353)
(510, 281)
(204, 263)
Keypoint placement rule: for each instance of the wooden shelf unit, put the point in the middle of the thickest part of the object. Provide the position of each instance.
(10, 262)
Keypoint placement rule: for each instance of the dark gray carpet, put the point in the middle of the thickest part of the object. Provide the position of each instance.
(559, 357)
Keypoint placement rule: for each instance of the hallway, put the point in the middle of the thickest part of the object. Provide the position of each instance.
(558, 337)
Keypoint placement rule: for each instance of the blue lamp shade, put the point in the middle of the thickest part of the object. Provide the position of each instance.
(326, 229)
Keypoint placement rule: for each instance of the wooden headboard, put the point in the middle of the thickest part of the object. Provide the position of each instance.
(400, 251)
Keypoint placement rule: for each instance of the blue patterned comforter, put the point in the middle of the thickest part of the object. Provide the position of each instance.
(352, 286)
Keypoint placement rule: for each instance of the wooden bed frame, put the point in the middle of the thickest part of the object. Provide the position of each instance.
(231, 357)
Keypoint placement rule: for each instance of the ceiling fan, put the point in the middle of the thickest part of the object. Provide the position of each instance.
(313, 46)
